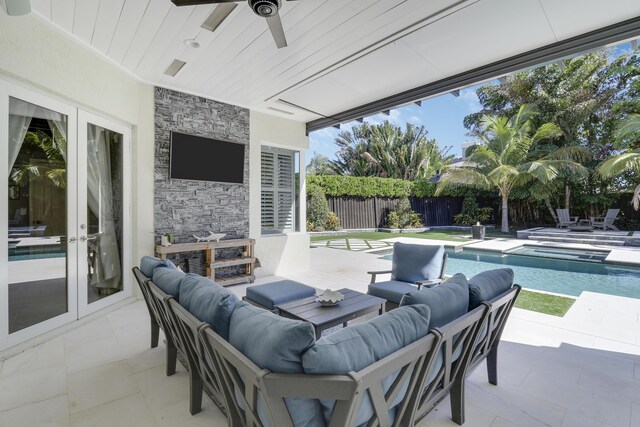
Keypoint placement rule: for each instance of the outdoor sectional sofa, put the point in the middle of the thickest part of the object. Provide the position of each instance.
(266, 370)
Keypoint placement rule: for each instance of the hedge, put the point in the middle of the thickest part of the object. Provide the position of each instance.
(356, 186)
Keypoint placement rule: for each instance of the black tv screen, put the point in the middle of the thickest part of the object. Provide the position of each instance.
(204, 159)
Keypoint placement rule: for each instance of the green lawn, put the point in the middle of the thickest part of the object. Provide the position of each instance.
(433, 235)
(544, 303)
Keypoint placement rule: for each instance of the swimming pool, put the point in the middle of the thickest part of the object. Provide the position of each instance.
(561, 276)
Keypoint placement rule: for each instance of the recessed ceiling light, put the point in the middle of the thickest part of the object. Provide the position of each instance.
(192, 43)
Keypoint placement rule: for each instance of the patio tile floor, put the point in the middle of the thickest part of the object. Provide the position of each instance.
(569, 371)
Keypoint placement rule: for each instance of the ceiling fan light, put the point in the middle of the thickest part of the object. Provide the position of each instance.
(265, 8)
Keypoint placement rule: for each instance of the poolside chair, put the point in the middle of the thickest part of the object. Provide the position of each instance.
(564, 220)
(606, 221)
(412, 266)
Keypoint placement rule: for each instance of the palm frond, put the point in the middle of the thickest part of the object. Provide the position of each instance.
(629, 161)
(484, 156)
(547, 131)
(503, 175)
(629, 127)
(463, 178)
(573, 153)
(542, 171)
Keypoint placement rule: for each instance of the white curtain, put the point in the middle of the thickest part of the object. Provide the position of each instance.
(58, 125)
(107, 270)
(20, 115)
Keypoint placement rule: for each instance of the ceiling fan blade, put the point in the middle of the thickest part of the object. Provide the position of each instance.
(277, 31)
(197, 2)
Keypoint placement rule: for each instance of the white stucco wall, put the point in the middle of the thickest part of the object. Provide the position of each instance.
(40, 57)
(287, 253)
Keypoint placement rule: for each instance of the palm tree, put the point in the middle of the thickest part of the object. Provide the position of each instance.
(628, 161)
(388, 151)
(507, 157)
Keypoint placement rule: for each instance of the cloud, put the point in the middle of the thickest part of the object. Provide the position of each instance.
(468, 96)
(415, 120)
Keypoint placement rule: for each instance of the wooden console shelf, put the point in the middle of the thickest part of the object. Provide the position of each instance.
(211, 263)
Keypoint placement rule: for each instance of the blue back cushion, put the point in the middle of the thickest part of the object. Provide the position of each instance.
(149, 263)
(447, 301)
(168, 279)
(208, 302)
(488, 285)
(275, 343)
(416, 262)
(358, 346)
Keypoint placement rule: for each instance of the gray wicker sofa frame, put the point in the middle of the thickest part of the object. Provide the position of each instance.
(433, 367)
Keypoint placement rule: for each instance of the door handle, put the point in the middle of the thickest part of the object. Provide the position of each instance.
(85, 238)
(72, 240)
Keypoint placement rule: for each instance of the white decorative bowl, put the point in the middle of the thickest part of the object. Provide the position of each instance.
(329, 298)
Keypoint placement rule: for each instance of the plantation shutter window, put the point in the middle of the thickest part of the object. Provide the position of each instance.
(278, 190)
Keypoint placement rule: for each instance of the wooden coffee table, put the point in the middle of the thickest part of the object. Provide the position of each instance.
(354, 305)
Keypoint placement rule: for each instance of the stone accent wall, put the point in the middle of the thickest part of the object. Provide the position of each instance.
(184, 207)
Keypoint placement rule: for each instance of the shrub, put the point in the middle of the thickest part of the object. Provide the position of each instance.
(357, 186)
(403, 216)
(369, 186)
(318, 210)
(333, 222)
(471, 212)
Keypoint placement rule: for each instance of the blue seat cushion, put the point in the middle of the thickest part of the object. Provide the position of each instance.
(391, 290)
(208, 302)
(447, 301)
(149, 263)
(358, 346)
(168, 279)
(276, 343)
(488, 285)
(270, 295)
(412, 263)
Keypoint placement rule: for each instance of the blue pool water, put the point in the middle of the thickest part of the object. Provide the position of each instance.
(552, 275)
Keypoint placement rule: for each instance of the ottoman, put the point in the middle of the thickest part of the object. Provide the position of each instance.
(270, 295)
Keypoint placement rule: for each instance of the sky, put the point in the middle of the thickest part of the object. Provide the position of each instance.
(441, 116)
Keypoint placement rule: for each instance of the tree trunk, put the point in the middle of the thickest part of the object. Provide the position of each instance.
(567, 196)
(505, 213)
(547, 202)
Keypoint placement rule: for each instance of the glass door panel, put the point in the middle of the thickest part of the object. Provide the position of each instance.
(38, 287)
(102, 216)
(104, 212)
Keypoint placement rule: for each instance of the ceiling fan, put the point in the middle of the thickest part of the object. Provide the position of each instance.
(267, 9)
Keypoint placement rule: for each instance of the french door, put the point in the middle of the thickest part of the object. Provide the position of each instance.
(64, 228)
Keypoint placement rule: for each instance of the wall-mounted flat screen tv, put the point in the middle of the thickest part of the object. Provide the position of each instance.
(205, 159)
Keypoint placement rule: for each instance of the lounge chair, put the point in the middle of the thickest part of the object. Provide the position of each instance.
(413, 266)
(606, 221)
(564, 219)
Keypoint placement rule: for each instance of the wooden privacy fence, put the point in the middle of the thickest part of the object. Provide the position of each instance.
(359, 212)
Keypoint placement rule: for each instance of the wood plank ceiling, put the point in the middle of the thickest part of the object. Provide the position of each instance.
(341, 53)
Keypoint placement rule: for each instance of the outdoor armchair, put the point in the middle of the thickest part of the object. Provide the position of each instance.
(564, 219)
(606, 221)
(413, 266)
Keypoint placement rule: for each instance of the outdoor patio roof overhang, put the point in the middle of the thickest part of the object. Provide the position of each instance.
(346, 58)
(629, 29)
